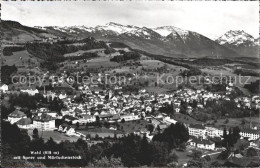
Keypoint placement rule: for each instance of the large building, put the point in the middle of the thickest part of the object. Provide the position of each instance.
(25, 123)
(214, 132)
(16, 116)
(251, 134)
(44, 122)
(197, 130)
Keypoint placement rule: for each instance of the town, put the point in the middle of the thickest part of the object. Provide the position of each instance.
(98, 113)
(130, 84)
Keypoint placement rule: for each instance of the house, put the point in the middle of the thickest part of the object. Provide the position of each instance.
(148, 109)
(169, 120)
(31, 92)
(65, 128)
(71, 119)
(255, 143)
(202, 143)
(87, 118)
(24, 123)
(4, 88)
(44, 122)
(15, 116)
(65, 111)
(197, 130)
(129, 117)
(105, 117)
(161, 127)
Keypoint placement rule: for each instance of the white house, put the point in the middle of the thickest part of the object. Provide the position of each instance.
(168, 120)
(4, 88)
(31, 91)
(255, 143)
(87, 119)
(148, 109)
(203, 144)
(129, 117)
(16, 116)
(65, 128)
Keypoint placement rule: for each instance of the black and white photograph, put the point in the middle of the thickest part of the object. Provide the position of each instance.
(130, 84)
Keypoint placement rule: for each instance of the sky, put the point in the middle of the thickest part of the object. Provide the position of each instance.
(210, 18)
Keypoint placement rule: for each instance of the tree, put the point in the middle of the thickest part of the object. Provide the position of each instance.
(77, 124)
(174, 135)
(251, 152)
(123, 120)
(226, 121)
(145, 155)
(196, 155)
(97, 137)
(243, 121)
(35, 134)
(105, 162)
(150, 128)
(231, 138)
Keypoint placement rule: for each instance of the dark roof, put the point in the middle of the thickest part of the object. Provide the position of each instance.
(43, 118)
(69, 117)
(198, 126)
(17, 114)
(250, 131)
(24, 121)
(86, 116)
(64, 125)
(116, 117)
(202, 141)
(105, 116)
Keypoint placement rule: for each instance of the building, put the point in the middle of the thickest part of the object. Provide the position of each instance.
(87, 119)
(251, 134)
(202, 144)
(129, 117)
(255, 143)
(197, 130)
(169, 120)
(214, 132)
(31, 91)
(71, 119)
(4, 88)
(15, 116)
(65, 128)
(25, 123)
(44, 122)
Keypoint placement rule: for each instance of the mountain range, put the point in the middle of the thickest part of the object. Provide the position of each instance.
(169, 41)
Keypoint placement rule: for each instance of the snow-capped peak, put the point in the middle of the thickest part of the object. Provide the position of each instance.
(117, 28)
(236, 37)
(166, 30)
